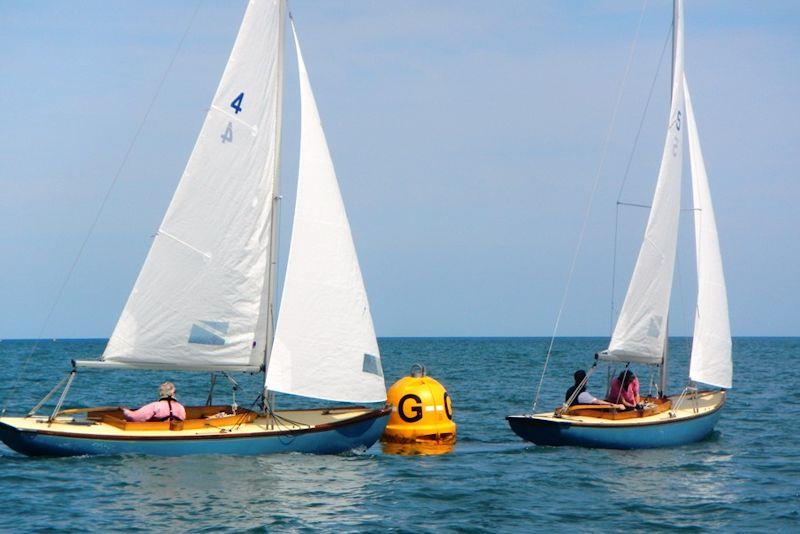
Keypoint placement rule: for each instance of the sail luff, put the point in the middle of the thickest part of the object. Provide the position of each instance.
(272, 258)
(711, 360)
(197, 299)
(641, 328)
(325, 345)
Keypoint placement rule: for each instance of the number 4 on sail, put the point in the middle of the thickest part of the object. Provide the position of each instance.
(204, 298)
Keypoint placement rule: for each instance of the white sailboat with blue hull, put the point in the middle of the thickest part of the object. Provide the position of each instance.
(640, 335)
(204, 298)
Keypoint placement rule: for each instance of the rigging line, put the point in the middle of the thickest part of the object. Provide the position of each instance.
(595, 183)
(644, 115)
(626, 174)
(103, 203)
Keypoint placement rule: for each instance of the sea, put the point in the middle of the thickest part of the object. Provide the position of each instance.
(744, 478)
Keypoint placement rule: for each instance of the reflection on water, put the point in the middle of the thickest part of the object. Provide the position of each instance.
(235, 492)
(417, 449)
(704, 477)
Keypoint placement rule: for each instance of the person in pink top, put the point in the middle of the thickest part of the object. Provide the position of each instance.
(166, 408)
(625, 389)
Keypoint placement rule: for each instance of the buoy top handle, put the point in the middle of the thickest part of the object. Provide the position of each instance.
(417, 370)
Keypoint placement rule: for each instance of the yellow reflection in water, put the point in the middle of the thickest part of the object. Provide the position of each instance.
(417, 449)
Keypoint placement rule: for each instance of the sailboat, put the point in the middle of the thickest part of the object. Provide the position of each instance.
(204, 298)
(640, 335)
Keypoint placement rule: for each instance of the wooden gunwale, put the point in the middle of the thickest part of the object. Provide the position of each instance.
(322, 427)
(549, 419)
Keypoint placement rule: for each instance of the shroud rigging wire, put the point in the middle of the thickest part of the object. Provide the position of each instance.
(595, 183)
(103, 202)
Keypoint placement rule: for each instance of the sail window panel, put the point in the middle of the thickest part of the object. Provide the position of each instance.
(170, 307)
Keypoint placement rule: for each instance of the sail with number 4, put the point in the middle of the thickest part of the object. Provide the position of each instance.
(204, 298)
(199, 300)
(641, 330)
(325, 345)
(711, 361)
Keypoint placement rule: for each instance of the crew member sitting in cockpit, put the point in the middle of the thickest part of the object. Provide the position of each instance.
(166, 408)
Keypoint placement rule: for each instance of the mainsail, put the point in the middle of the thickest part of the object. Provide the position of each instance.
(325, 345)
(198, 302)
(711, 361)
(641, 329)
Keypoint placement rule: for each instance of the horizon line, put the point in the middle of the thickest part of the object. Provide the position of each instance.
(512, 336)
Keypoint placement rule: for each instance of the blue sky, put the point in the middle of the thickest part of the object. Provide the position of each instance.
(465, 137)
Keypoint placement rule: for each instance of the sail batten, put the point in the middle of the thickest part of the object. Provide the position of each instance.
(711, 360)
(325, 345)
(641, 328)
(198, 298)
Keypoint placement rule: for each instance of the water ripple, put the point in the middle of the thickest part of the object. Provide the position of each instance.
(744, 477)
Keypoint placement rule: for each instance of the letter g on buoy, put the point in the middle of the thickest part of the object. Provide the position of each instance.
(422, 411)
(415, 409)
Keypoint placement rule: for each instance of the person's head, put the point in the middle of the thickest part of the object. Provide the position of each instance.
(626, 377)
(579, 375)
(167, 389)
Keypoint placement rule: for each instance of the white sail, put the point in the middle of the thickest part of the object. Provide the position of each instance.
(641, 329)
(198, 300)
(325, 344)
(711, 361)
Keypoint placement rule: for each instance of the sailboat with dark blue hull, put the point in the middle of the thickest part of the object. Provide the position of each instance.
(204, 300)
(640, 335)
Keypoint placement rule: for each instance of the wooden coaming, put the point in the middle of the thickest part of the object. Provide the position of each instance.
(196, 417)
(600, 411)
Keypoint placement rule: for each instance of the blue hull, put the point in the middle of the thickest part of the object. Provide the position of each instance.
(361, 432)
(669, 433)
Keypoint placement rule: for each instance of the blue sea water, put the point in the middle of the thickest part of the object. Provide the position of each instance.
(745, 477)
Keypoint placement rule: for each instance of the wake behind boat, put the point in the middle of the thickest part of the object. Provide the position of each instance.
(204, 301)
(641, 334)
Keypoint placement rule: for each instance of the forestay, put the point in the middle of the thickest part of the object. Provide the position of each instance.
(711, 361)
(325, 344)
(640, 332)
(198, 300)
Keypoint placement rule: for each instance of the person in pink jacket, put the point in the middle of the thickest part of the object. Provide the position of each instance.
(625, 389)
(166, 408)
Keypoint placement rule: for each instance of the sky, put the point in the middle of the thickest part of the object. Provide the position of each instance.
(466, 137)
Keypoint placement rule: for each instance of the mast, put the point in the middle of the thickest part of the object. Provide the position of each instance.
(272, 267)
(663, 368)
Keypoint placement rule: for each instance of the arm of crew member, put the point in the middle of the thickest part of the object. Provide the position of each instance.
(142, 414)
(606, 403)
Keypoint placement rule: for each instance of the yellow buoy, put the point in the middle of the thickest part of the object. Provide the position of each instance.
(422, 411)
